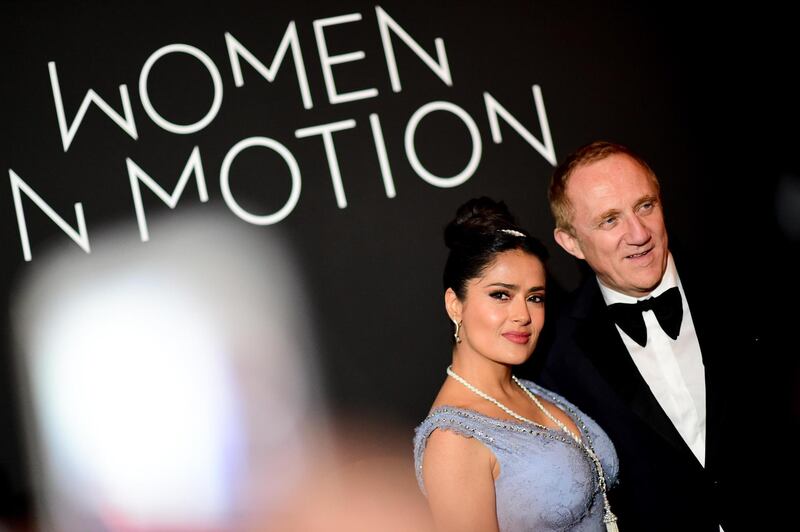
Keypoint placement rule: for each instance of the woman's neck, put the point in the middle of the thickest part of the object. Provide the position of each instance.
(485, 374)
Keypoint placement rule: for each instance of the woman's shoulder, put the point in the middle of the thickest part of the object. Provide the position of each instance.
(461, 420)
(494, 433)
(456, 433)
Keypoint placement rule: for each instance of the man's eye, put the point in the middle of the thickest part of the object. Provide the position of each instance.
(608, 222)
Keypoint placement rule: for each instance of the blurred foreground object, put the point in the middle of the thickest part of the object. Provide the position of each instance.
(171, 386)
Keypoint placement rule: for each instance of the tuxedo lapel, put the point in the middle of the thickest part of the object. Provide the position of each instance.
(599, 339)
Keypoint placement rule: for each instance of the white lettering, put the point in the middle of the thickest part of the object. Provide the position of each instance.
(236, 49)
(224, 180)
(145, 97)
(441, 69)
(328, 60)
(136, 174)
(68, 131)
(493, 109)
(80, 237)
(326, 131)
(380, 149)
(477, 146)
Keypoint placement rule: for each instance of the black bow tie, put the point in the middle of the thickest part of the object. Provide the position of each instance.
(668, 310)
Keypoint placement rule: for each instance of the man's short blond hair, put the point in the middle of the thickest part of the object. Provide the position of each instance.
(560, 205)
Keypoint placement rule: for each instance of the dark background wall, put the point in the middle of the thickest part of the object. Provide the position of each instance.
(705, 96)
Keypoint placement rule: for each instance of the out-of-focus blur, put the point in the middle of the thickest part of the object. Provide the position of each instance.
(172, 386)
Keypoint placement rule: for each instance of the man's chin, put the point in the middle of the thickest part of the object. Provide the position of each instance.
(647, 284)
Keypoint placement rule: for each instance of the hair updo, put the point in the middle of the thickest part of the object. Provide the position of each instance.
(481, 229)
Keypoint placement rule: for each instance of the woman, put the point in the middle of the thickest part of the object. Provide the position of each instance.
(497, 453)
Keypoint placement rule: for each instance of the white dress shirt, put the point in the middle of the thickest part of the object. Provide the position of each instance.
(673, 369)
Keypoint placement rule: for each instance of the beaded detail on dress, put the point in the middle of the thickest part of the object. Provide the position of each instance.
(546, 481)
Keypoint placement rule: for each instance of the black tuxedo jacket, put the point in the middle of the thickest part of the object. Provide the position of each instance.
(662, 486)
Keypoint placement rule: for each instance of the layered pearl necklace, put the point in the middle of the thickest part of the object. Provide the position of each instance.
(609, 518)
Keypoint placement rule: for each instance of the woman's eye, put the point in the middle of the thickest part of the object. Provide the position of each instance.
(499, 295)
(536, 298)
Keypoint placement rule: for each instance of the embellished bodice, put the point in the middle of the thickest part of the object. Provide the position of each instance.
(547, 481)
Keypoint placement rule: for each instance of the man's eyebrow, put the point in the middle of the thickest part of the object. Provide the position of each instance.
(650, 198)
(607, 214)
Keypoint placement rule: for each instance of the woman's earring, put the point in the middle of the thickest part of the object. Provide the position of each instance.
(456, 335)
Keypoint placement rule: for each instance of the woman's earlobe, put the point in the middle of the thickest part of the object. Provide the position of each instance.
(452, 305)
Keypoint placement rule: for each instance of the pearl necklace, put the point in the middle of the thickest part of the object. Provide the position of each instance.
(609, 518)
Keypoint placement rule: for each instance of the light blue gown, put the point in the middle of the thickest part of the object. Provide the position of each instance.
(547, 482)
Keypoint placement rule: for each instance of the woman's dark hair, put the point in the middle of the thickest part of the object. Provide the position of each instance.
(481, 229)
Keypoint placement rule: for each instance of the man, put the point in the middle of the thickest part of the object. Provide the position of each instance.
(656, 376)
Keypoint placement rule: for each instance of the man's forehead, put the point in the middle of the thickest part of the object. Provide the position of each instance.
(598, 188)
(616, 170)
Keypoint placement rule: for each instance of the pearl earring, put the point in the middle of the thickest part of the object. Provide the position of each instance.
(456, 335)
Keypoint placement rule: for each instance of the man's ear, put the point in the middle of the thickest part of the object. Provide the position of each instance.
(568, 242)
(452, 304)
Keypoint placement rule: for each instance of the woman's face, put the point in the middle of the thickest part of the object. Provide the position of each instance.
(503, 310)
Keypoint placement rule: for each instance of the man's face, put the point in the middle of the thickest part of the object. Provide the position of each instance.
(618, 224)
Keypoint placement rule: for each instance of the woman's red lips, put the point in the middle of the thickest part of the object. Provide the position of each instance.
(517, 338)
